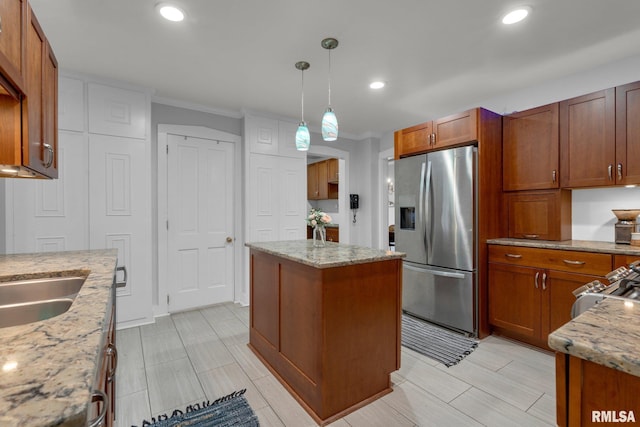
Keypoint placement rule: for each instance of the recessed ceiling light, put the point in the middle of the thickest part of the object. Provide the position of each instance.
(516, 15)
(171, 13)
(377, 85)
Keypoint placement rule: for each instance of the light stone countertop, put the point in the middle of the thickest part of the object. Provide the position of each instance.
(332, 255)
(49, 367)
(571, 245)
(607, 334)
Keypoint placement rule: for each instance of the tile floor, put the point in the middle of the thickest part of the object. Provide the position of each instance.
(202, 354)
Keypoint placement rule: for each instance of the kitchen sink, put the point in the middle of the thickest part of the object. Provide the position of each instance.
(27, 312)
(33, 300)
(31, 290)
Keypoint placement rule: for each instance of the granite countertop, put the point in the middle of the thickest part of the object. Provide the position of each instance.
(571, 245)
(49, 367)
(607, 334)
(332, 255)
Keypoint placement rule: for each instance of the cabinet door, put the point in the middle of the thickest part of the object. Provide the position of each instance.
(312, 181)
(628, 134)
(543, 215)
(40, 105)
(558, 288)
(332, 171)
(587, 140)
(413, 140)
(456, 129)
(12, 13)
(531, 150)
(333, 234)
(515, 299)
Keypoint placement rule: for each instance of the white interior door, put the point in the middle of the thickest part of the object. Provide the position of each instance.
(119, 212)
(200, 225)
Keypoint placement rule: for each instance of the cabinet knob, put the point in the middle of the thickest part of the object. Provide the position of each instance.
(229, 239)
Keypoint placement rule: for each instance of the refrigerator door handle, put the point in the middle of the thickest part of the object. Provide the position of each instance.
(435, 272)
(421, 203)
(428, 220)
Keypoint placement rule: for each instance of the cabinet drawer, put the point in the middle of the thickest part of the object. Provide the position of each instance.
(553, 259)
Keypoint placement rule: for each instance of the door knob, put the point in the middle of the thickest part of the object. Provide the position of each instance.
(229, 240)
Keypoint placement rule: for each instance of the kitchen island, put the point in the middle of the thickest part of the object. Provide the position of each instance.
(326, 321)
(598, 365)
(51, 367)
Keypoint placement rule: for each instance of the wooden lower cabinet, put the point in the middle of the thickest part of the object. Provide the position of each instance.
(528, 301)
(591, 394)
(331, 336)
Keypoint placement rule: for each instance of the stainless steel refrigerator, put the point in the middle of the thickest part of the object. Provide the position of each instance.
(435, 227)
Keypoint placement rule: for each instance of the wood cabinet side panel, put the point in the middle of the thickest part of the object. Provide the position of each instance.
(361, 317)
(562, 376)
(265, 292)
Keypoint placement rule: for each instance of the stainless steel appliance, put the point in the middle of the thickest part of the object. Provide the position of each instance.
(625, 286)
(435, 227)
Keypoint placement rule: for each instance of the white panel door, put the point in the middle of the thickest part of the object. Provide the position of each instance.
(51, 215)
(119, 217)
(277, 195)
(200, 227)
(292, 198)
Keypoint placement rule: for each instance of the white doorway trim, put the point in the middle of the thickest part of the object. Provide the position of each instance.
(206, 133)
(383, 209)
(343, 189)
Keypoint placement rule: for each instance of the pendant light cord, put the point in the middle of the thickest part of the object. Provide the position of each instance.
(329, 78)
(302, 97)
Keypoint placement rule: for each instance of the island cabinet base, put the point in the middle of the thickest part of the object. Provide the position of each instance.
(330, 335)
(591, 394)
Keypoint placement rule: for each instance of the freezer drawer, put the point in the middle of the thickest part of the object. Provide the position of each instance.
(440, 295)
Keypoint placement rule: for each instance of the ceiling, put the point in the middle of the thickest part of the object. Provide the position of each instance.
(437, 57)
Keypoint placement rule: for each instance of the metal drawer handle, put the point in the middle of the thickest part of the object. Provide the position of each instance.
(530, 236)
(516, 256)
(99, 396)
(112, 351)
(553, 176)
(568, 261)
(535, 280)
(49, 149)
(610, 172)
(619, 171)
(544, 281)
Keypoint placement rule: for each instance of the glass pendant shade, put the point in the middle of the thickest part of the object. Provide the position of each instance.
(303, 139)
(329, 125)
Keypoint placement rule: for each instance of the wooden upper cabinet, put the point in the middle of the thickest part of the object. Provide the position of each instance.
(539, 215)
(413, 140)
(628, 134)
(456, 129)
(531, 149)
(317, 188)
(333, 173)
(12, 23)
(40, 104)
(587, 140)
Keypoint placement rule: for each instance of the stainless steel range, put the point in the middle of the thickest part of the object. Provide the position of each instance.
(625, 286)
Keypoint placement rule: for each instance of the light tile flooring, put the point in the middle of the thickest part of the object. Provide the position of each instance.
(202, 354)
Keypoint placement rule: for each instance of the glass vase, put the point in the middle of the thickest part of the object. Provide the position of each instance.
(319, 236)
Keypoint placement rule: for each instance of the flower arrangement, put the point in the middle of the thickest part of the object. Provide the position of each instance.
(318, 218)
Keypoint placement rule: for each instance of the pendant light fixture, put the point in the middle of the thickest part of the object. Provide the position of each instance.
(329, 120)
(303, 139)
